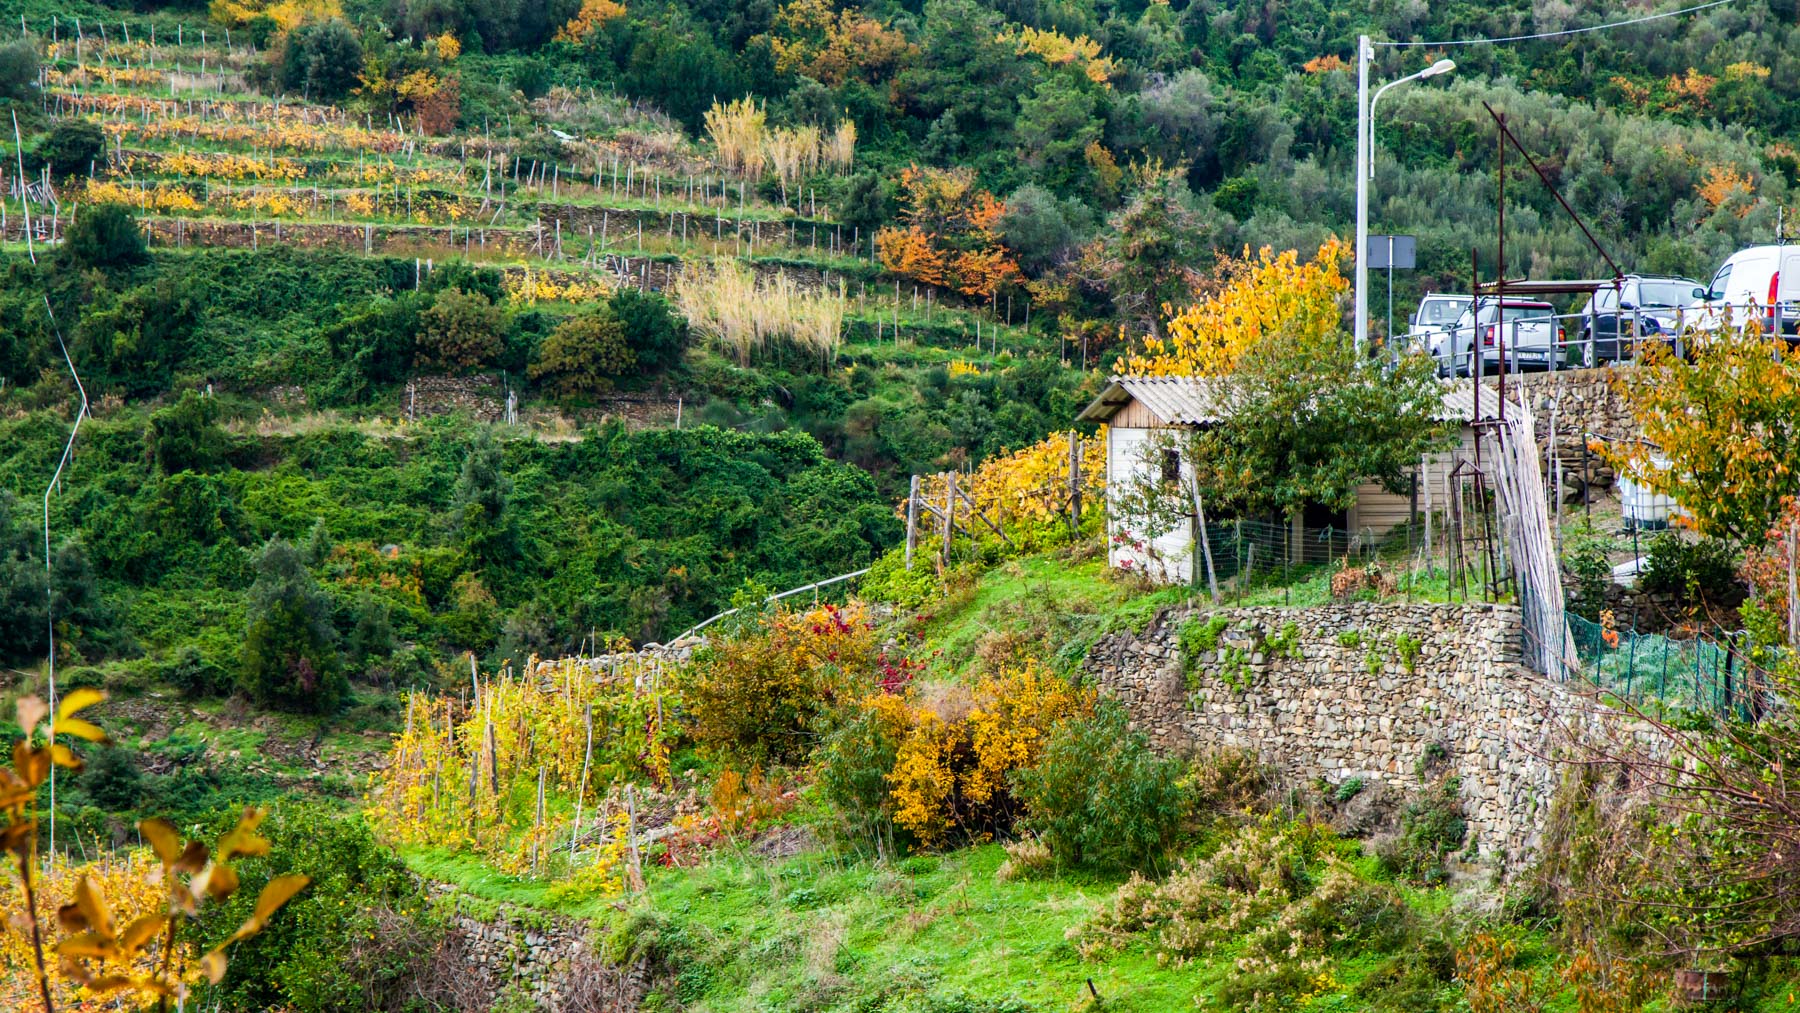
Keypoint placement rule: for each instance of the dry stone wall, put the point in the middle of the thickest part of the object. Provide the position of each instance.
(1374, 691)
(1587, 403)
(517, 954)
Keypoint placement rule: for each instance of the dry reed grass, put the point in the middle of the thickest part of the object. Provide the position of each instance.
(740, 134)
(728, 303)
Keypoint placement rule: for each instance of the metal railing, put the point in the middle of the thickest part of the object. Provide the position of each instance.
(814, 587)
(1556, 342)
(1565, 341)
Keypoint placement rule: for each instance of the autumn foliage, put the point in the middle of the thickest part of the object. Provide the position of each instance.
(1720, 431)
(1251, 299)
(592, 15)
(832, 47)
(954, 753)
(466, 773)
(1026, 491)
(950, 237)
(120, 931)
(763, 698)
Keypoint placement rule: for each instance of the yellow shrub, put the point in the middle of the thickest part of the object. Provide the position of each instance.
(950, 773)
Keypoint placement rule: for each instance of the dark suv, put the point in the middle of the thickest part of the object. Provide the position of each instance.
(1642, 307)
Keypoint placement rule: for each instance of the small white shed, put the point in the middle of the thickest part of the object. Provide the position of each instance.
(1134, 409)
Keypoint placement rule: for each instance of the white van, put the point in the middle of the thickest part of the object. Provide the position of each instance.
(1761, 283)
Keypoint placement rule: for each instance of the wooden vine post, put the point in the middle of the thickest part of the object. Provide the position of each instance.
(1074, 483)
(912, 520)
(949, 516)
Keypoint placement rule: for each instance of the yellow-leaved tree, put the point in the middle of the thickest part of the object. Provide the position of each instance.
(120, 940)
(286, 14)
(1251, 298)
(1720, 432)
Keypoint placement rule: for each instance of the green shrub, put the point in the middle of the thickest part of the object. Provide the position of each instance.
(71, 147)
(584, 354)
(195, 676)
(480, 511)
(654, 332)
(321, 60)
(1585, 559)
(888, 580)
(105, 236)
(358, 938)
(1100, 796)
(18, 69)
(852, 768)
(183, 437)
(1430, 829)
(461, 330)
(112, 780)
(1697, 573)
(1408, 648)
(1196, 639)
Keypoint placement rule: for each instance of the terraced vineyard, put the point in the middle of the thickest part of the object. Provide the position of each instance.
(589, 194)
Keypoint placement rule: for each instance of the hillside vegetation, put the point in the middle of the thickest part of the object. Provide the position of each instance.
(421, 341)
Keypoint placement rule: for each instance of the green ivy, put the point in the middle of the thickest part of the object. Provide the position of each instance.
(1197, 638)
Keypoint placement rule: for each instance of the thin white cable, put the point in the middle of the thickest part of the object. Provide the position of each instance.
(1566, 31)
(49, 588)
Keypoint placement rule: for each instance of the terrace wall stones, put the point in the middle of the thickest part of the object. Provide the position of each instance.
(1391, 693)
(546, 960)
(1587, 403)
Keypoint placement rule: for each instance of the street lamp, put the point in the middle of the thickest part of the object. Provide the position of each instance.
(1365, 170)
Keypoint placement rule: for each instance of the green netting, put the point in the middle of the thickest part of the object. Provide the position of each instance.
(1650, 670)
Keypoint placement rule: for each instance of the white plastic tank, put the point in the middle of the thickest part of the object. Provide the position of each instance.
(1643, 507)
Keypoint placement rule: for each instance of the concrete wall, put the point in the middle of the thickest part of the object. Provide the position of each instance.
(1342, 702)
(1132, 457)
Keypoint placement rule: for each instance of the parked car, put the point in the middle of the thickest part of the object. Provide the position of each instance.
(1526, 326)
(1639, 307)
(1436, 313)
(1759, 283)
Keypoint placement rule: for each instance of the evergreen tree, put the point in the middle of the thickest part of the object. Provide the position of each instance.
(480, 514)
(290, 655)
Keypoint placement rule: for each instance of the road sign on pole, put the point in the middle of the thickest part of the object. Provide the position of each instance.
(1393, 252)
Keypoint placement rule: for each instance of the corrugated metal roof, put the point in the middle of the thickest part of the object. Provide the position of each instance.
(1198, 401)
(1177, 400)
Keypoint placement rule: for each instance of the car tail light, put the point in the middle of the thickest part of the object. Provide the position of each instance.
(1487, 336)
(1774, 289)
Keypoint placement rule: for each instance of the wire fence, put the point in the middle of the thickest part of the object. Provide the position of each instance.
(1659, 673)
(1250, 554)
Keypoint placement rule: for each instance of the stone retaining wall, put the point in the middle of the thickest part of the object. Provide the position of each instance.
(1587, 402)
(1376, 691)
(545, 959)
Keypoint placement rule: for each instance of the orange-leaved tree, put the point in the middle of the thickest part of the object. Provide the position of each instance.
(1251, 299)
(1720, 434)
(951, 237)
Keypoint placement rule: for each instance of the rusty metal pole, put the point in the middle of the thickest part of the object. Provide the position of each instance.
(1500, 267)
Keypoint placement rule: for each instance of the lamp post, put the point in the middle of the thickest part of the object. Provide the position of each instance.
(1365, 170)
